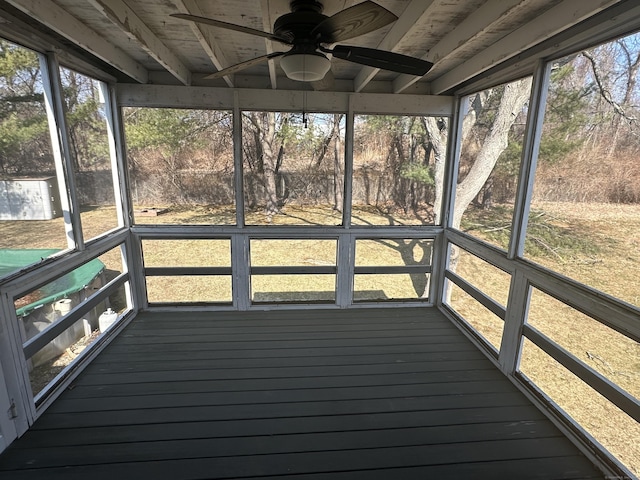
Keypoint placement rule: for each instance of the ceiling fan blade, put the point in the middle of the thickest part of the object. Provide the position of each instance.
(242, 65)
(352, 22)
(232, 26)
(382, 59)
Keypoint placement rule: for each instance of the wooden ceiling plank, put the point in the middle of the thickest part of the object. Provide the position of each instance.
(474, 26)
(542, 27)
(205, 37)
(128, 21)
(415, 13)
(267, 23)
(54, 17)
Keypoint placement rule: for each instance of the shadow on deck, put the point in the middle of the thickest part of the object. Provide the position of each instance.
(308, 394)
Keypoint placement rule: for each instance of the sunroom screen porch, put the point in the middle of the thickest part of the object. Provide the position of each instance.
(542, 329)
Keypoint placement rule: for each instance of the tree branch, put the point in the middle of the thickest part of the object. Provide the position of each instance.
(605, 93)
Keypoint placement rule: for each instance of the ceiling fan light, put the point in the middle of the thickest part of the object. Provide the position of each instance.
(305, 67)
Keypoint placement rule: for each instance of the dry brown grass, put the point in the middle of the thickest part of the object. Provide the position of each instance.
(614, 230)
(611, 266)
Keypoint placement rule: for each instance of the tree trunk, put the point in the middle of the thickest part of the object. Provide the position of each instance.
(438, 138)
(326, 142)
(270, 156)
(513, 100)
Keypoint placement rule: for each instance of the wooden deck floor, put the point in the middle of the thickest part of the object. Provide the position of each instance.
(359, 394)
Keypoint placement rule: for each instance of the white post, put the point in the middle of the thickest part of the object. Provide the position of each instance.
(241, 271)
(345, 259)
(238, 175)
(60, 145)
(347, 200)
(535, 117)
(442, 257)
(117, 154)
(345, 269)
(516, 314)
(14, 374)
(520, 291)
(8, 431)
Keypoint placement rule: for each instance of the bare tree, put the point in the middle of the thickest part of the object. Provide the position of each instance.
(624, 83)
(513, 99)
(437, 131)
(511, 103)
(265, 152)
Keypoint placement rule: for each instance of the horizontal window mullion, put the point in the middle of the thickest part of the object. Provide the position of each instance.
(397, 269)
(481, 297)
(185, 271)
(622, 399)
(294, 270)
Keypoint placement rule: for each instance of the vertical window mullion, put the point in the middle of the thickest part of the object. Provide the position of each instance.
(535, 117)
(442, 256)
(116, 153)
(347, 200)
(238, 174)
(345, 269)
(59, 132)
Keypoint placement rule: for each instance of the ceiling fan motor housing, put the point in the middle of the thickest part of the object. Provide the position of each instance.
(309, 5)
(297, 25)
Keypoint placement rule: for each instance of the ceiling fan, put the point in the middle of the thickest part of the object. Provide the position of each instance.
(307, 31)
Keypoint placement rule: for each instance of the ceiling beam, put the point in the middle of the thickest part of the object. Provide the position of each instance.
(267, 21)
(205, 37)
(174, 96)
(57, 19)
(128, 21)
(544, 26)
(415, 12)
(491, 14)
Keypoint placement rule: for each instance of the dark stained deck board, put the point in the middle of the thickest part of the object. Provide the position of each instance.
(258, 373)
(155, 388)
(446, 405)
(334, 355)
(269, 444)
(485, 421)
(342, 461)
(522, 469)
(320, 394)
(253, 397)
(210, 336)
(154, 362)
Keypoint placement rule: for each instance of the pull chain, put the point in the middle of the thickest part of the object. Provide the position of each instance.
(305, 119)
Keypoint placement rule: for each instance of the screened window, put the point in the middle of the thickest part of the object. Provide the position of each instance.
(491, 149)
(32, 225)
(180, 163)
(585, 213)
(398, 163)
(293, 166)
(92, 159)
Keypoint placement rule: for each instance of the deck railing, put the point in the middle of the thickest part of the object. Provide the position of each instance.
(525, 277)
(23, 348)
(242, 268)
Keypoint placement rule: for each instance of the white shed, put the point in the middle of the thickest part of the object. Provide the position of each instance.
(29, 199)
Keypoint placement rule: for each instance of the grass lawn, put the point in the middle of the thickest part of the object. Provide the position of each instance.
(595, 244)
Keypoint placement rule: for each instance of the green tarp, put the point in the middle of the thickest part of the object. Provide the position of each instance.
(72, 282)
